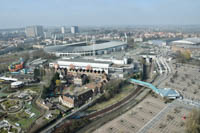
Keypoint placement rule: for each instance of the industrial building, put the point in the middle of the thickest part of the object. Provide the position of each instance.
(82, 49)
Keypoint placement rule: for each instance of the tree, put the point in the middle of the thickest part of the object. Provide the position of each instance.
(36, 73)
(183, 56)
(193, 122)
(58, 83)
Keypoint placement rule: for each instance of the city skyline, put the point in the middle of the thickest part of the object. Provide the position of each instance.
(98, 13)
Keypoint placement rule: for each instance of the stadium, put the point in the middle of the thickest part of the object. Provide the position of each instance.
(83, 49)
(190, 44)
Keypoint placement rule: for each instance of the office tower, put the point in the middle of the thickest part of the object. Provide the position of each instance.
(34, 31)
(47, 35)
(74, 29)
(63, 30)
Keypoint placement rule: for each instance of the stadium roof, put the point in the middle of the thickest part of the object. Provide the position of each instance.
(191, 41)
(73, 48)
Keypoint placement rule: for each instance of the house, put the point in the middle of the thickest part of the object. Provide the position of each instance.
(77, 99)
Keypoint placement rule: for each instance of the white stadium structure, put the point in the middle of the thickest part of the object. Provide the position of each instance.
(188, 42)
(83, 49)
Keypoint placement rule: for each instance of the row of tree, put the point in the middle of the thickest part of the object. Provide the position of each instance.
(183, 57)
(49, 90)
(193, 122)
(72, 126)
(112, 88)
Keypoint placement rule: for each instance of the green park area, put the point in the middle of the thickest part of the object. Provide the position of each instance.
(23, 118)
(12, 130)
(3, 88)
(36, 88)
(9, 103)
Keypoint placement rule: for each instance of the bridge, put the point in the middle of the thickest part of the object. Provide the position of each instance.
(166, 92)
(145, 84)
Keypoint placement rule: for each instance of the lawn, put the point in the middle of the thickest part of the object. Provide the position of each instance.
(13, 130)
(118, 97)
(9, 103)
(36, 88)
(3, 88)
(23, 118)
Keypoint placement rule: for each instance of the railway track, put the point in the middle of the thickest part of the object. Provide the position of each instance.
(110, 108)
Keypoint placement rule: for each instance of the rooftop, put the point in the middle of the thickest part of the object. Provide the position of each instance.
(191, 41)
(76, 48)
(167, 92)
(16, 83)
(86, 61)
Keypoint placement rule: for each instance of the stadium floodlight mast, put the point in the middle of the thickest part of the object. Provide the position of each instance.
(86, 38)
(126, 37)
(93, 44)
(55, 39)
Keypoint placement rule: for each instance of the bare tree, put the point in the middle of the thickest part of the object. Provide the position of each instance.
(193, 122)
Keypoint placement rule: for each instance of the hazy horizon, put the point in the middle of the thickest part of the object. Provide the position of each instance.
(22, 13)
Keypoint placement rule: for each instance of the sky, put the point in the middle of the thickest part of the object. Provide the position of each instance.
(21, 13)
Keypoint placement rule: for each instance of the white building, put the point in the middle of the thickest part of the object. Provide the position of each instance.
(82, 64)
(63, 30)
(34, 31)
(109, 66)
(74, 29)
(17, 84)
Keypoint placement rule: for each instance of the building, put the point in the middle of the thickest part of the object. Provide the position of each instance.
(47, 35)
(76, 100)
(169, 93)
(95, 66)
(63, 30)
(157, 42)
(34, 31)
(80, 80)
(17, 84)
(82, 65)
(138, 39)
(188, 44)
(74, 29)
(16, 66)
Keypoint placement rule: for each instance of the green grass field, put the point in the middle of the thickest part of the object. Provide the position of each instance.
(9, 103)
(125, 92)
(23, 118)
(36, 88)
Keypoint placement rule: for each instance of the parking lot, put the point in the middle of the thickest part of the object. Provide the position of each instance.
(186, 81)
(135, 118)
(173, 121)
